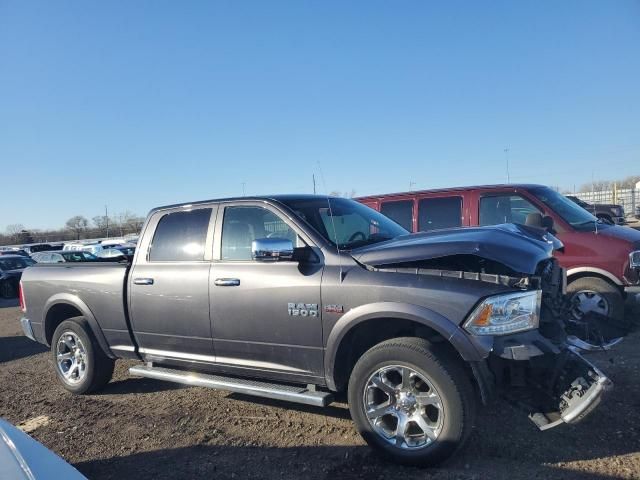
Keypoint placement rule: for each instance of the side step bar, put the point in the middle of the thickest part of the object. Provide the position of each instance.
(256, 388)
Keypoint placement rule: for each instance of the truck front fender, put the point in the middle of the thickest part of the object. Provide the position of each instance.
(77, 303)
(393, 310)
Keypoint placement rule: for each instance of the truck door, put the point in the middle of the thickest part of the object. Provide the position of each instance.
(265, 315)
(169, 286)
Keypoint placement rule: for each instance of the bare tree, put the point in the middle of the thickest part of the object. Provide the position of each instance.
(14, 231)
(77, 225)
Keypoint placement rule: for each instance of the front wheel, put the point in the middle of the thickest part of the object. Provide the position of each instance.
(411, 401)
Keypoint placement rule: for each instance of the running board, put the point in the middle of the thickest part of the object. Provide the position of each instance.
(256, 388)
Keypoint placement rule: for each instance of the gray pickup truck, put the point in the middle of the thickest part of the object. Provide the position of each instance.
(313, 299)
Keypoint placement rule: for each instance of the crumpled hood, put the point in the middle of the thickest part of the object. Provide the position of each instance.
(519, 247)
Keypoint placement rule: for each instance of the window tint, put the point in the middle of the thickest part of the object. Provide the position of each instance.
(180, 236)
(400, 212)
(243, 225)
(436, 213)
(497, 209)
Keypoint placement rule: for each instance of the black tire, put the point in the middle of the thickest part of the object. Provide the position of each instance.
(7, 290)
(447, 376)
(609, 293)
(98, 367)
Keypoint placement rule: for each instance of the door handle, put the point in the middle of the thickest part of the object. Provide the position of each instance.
(227, 282)
(143, 281)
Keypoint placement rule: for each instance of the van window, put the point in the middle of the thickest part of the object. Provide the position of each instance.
(180, 236)
(400, 211)
(437, 213)
(496, 209)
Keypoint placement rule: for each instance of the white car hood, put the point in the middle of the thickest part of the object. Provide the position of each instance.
(23, 458)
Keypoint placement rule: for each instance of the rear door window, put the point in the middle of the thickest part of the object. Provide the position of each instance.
(400, 211)
(180, 236)
(496, 209)
(441, 212)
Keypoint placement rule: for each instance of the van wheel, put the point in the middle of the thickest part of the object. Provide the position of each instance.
(595, 295)
(80, 364)
(411, 401)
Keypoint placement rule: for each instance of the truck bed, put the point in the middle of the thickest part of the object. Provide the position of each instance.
(98, 288)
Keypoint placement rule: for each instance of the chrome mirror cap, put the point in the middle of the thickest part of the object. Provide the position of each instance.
(272, 249)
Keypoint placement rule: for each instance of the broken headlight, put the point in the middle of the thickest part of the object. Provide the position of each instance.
(505, 313)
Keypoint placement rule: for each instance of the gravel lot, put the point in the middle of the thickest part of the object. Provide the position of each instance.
(140, 428)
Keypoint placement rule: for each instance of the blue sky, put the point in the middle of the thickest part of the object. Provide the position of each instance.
(137, 104)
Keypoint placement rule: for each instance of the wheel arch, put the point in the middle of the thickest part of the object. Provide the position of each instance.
(367, 325)
(64, 306)
(582, 272)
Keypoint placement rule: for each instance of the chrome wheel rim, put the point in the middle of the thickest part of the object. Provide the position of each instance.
(403, 407)
(586, 301)
(71, 357)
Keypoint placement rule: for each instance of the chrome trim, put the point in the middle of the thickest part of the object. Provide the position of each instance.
(272, 249)
(124, 348)
(27, 329)
(247, 387)
(178, 355)
(631, 254)
(589, 347)
(236, 362)
(604, 273)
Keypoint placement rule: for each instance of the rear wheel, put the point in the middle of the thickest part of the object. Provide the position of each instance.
(80, 364)
(411, 401)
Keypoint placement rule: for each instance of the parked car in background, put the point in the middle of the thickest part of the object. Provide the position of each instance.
(11, 268)
(14, 251)
(39, 247)
(93, 248)
(117, 253)
(609, 212)
(23, 458)
(602, 260)
(62, 256)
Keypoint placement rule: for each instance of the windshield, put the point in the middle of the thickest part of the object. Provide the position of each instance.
(347, 224)
(15, 263)
(572, 213)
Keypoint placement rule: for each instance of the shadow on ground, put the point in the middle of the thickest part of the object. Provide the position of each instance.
(14, 348)
(312, 462)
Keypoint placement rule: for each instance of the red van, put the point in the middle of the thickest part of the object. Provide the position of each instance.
(602, 260)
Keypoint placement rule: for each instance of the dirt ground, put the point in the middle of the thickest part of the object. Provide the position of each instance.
(140, 428)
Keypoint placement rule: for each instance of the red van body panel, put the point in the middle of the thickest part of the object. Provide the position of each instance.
(605, 253)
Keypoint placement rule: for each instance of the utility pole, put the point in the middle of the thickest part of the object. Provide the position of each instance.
(411, 185)
(506, 154)
(243, 192)
(106, 218)
(313, 176)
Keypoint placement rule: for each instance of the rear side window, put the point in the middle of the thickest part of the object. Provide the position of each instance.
(180, 236)
(497, 209)
(436, 213)
(400, 211)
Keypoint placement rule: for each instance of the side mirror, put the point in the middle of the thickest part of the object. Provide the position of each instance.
(272, 249)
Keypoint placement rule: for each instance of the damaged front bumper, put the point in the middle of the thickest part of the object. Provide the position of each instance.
(553, 384)
(575, 393)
